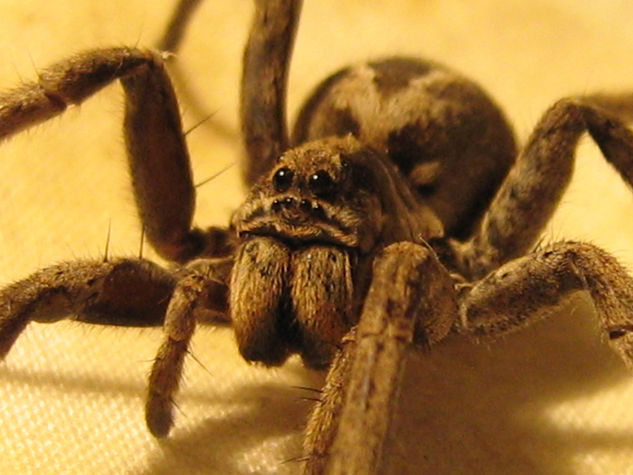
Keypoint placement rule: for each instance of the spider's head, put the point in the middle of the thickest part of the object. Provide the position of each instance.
(335, 191)
(307, 227)
(311, 195)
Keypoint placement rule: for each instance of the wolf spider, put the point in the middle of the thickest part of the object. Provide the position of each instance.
(398, 211)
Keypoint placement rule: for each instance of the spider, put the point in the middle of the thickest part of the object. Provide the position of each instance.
(336, 254)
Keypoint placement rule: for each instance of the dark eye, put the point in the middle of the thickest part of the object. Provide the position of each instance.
(321, 183)
(282, 179)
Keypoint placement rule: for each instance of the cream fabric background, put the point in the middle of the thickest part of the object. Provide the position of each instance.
(550, 400)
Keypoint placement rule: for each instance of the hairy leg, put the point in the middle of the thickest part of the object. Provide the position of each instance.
(531, 191)
(264, 80)
(202, 288)
(167, 369)
(65, 83)
(158, 157)
(530, 288)
(410, 299)
(326, 415)
(160, 168)
(123, 292)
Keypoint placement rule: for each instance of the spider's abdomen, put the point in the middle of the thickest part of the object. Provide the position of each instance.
(443, 132)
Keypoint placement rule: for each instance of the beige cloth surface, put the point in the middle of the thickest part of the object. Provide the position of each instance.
(550, 400)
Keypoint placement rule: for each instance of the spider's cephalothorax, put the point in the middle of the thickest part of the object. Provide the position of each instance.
(311, 226)
(399, 211)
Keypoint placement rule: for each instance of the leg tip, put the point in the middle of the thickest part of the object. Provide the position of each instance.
(158, 417)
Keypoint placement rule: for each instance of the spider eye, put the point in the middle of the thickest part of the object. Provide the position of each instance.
(282, 179)
(321, 183)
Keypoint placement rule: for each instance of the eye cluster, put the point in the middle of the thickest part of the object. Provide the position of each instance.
(320, 183)
(282, 180)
